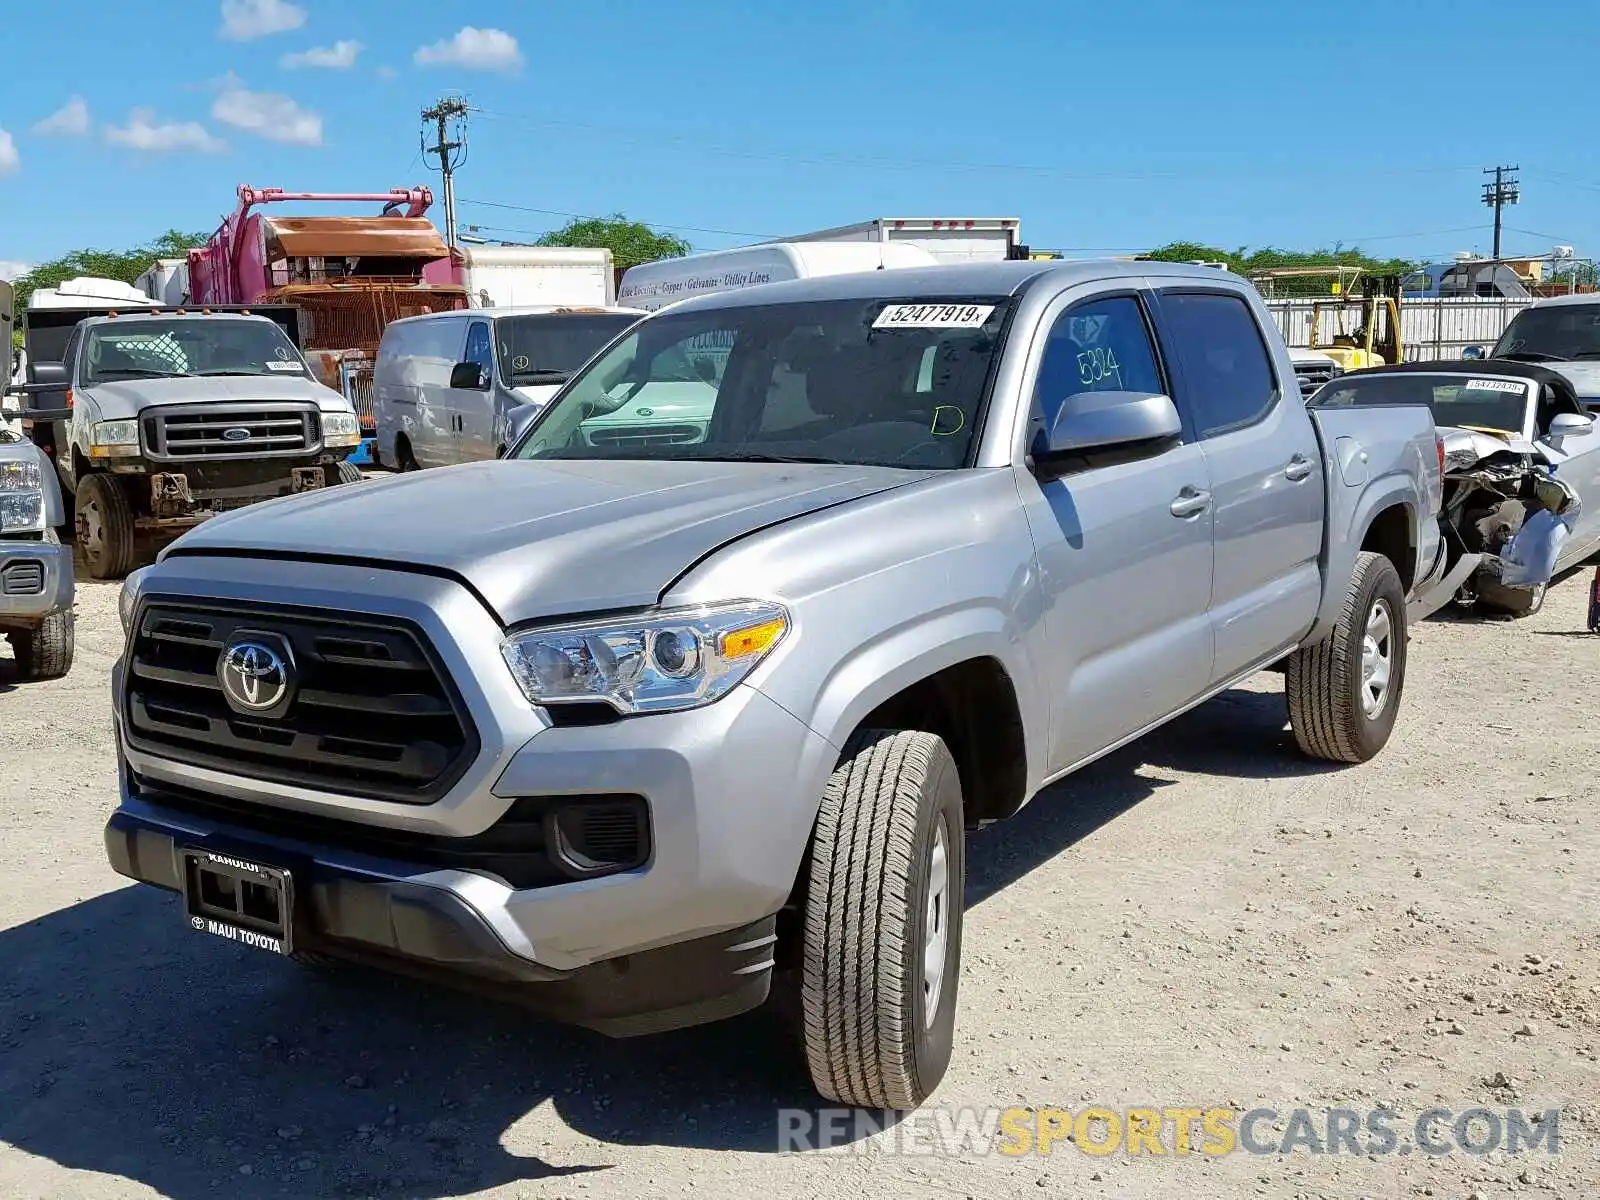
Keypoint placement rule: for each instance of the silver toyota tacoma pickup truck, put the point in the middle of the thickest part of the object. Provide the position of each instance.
(643, 729)
(36, 578)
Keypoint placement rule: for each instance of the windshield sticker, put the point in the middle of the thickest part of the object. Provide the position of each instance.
(1495, 385)
(957, 417)
(521, 363)
(283, 366)
(281, 353)
(933, 316)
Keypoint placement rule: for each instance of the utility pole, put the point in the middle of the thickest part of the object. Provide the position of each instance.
(1497, 195)
(441, 114)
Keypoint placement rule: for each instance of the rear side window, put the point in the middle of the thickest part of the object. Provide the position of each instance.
(1227, 376)
(1098, 346)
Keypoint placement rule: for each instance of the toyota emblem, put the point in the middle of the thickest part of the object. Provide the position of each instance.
(255, 676)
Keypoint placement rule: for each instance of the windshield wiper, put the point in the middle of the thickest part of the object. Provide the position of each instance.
(751, 456)
(1533, 356)
(540, 377)
(237, 371)
(143, 373)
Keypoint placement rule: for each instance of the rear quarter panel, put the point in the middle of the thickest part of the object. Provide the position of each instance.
(1374, 458)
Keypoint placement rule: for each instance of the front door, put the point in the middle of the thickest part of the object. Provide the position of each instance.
(474, 410)
(1264, 460)
(1124, 549)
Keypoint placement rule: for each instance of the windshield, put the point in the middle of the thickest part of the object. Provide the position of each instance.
(1455, 400)
(1552, 333)
(157, 349)
(866, 382)
(548, 349)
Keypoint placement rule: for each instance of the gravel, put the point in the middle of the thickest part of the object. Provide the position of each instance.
(1268, 902)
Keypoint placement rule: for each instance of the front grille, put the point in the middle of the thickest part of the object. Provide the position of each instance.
(648, 435)
(1314, 375)
(209, 431)
(529, 847)
(374, 713)
(23, 578)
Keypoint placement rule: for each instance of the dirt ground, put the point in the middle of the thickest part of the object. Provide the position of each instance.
(1205, 919)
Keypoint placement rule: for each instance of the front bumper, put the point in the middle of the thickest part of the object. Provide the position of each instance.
(387, 915)
(35, 580)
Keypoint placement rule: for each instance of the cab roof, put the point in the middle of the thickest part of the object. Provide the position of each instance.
(950, 279)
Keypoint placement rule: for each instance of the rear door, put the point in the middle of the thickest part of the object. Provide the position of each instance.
(1265, 465)
(1124, 548)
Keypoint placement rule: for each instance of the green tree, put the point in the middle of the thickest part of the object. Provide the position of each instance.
(124, 265)
(630, 242)
(1244, 261)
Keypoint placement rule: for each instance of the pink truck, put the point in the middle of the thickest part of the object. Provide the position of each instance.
(349, 275)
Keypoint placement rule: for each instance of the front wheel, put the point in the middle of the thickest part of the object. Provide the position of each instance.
(104, 519)
(46, 651)
(346, 472)
(1344, 692)
(882, 943)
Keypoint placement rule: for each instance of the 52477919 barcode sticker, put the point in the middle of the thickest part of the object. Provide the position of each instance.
(933, 316)
(1495, 385)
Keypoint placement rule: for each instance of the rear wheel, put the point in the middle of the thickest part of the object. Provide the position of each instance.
(882, 941)
(44, 652)
(1344, 692)
(104, 520)
(404, 459)
(1495, 597)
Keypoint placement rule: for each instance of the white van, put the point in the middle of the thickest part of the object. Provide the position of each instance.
(654, 285)
(445, 384)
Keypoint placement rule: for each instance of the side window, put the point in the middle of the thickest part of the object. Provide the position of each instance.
(1227, 376)
(69, 356)
(480, 349)
(1097, 346)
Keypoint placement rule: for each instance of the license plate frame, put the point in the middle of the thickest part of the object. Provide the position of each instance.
(239, 899)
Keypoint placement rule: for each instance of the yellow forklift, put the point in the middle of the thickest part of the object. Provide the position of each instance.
(1366, 311)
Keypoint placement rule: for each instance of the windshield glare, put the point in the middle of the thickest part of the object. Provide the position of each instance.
(535, 348)
(1455, 401)
(151, 349)
(1556, 331)
(815, 381)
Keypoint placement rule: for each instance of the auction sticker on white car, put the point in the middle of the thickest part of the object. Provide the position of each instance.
(933, 316)
(1495, 385)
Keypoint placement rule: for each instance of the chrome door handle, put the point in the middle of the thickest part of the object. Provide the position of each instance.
(1190, 503)
(1299, 467)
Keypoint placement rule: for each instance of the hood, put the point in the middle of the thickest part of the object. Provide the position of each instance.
(548, 538)
(130, 395)
(1464, 447)
(1585, 377)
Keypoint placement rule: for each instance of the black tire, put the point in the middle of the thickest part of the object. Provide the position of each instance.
(1325, 683)
(404, 459)
(868, 1038)
(1495, 597)
(44, 652)
(104, 521)
(348, 472)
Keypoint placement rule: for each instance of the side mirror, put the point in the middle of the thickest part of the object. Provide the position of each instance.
(1473, 352)
(1565, 425)
(518, 420)
(469, 377)
(1091, 421)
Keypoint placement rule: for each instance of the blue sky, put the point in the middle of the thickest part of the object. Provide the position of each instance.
(1104, 127)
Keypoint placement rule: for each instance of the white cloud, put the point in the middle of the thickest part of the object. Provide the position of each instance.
(10, 160)
(267, 114)
(71, 120)
(10, 271)
(246, 20)
(144, 131)
(475, 50)
(338, 57)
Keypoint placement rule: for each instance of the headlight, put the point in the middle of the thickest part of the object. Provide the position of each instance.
(340, 429)
(659, 662)
(113, 439)
(130, 597)
(21, 496)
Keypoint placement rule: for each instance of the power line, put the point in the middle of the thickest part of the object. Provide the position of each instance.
(649, 139)
(451, 108)
(554, 212)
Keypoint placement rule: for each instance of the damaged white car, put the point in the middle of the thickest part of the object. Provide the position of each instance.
(1521, 463)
